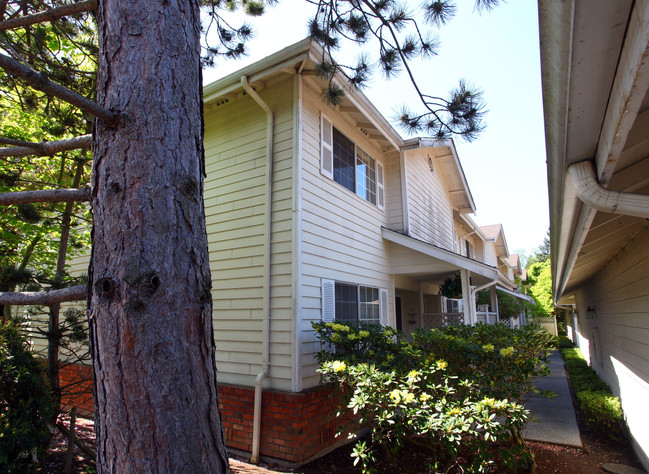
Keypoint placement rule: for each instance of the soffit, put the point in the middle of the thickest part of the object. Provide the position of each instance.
(592, 238)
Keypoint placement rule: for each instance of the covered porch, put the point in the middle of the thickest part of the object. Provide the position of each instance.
(419, 268)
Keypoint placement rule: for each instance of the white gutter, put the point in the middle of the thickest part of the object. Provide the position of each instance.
(475, 290)
(265, 354)
(594, 195)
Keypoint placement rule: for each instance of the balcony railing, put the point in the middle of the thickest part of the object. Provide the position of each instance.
(438, 320)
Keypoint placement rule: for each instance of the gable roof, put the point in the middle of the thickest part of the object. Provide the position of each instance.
(301, 58)
(495, 233)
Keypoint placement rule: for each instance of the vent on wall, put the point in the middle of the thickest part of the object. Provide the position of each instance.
(364, 132)
(430, 163)
(222, 102)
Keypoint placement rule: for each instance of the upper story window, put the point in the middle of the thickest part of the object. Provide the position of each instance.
(469, 249)
(349, 165)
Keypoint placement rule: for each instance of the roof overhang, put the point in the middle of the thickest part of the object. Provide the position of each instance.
(420, 259)
(446, 160)
(595, 73)
(515, 294)
(496, 234)
(474, 229)
(301, 58)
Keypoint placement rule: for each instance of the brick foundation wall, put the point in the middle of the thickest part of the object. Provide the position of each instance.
(76, 388)
(294, 426)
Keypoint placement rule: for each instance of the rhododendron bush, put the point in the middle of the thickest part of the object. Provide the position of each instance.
(456, 393)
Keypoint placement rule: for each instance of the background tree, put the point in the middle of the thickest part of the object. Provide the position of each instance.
(38, 236)
(539, 278)
(543, 252)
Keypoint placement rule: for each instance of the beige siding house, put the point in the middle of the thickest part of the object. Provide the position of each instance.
(319, 212)
(595, 65)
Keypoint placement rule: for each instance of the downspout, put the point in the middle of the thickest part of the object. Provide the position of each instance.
(265, 354)
(594, 195)
(474, 291)
(487, 285)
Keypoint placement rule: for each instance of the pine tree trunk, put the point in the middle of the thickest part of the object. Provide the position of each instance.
(150, 306)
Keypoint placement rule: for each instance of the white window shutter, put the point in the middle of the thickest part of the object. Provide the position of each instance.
(328, 300)
(380, 188)
(326, 148)
(383, 306)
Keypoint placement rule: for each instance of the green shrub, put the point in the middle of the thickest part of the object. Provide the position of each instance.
(25, 403)
(601, 409)
(565, 343)
(455, 392)
(603, 412)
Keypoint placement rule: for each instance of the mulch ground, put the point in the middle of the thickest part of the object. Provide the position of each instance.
(550, 458)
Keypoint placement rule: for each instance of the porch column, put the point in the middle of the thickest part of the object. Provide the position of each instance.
(468, 299)
(494, 300)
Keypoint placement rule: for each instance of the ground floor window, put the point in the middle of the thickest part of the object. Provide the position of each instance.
(353, 303)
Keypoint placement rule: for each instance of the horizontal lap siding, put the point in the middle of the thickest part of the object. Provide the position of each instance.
(490, 257)
(37, 318)
(620, 296)
(235, 148)
(341, 232)
(431, 212)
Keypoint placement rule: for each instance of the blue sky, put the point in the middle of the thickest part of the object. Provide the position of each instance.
(497, 51)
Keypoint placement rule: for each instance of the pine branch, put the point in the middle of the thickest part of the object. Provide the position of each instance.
(42, 83)
(44, 148)
(50, 14)
(47, 195)
(44, 298)
(12, 142)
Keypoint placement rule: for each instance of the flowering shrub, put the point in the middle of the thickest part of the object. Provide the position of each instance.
(455, 392)
(25, 403)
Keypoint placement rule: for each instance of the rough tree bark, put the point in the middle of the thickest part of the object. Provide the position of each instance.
(150, 306)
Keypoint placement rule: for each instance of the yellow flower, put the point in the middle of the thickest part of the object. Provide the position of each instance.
(395, 395)
(424, 396)
(338, 366)
(409, 397)
(364, 333)
(336, 338)
(488, 347)
(507, 351)
(442, 364)
(352, 337)
(412, 376)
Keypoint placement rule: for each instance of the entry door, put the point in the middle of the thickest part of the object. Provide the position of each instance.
(398, 313)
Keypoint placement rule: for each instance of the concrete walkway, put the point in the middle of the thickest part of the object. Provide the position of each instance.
(556, 422)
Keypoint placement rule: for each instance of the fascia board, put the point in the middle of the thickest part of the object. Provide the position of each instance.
(556, 23)
(292, 54)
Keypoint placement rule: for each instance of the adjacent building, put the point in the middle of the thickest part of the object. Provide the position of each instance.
(595, 68)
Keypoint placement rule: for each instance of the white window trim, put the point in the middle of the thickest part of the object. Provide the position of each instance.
(327, 159)
(329, 300)
(326, 149)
